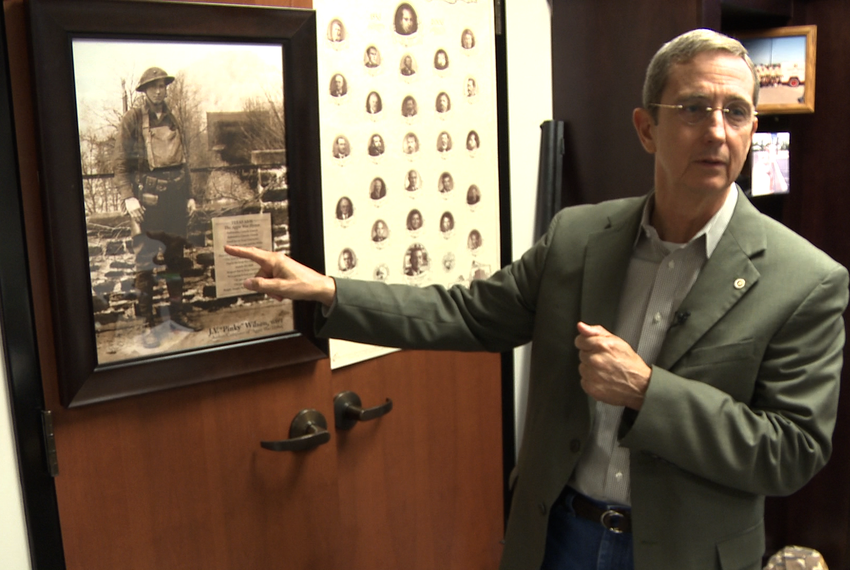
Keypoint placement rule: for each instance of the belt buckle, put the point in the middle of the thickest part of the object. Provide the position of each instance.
(612, 520)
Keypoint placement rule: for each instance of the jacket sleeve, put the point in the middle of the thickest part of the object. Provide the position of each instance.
(495, 314)
(775, 443)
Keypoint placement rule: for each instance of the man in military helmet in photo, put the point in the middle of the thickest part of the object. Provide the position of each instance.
(152, 177)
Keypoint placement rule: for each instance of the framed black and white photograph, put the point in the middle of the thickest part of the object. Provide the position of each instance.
(785, 61)
(167, 131)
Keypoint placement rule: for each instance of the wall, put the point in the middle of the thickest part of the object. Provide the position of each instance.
(529, 47)
(819, 515)
(13, 539)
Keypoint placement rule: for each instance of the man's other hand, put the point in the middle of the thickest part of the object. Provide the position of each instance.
(611, 372)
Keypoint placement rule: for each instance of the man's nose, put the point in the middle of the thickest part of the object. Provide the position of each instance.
(716, 121)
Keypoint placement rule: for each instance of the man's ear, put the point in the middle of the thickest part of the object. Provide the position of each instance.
(755, 129)
(644, 126)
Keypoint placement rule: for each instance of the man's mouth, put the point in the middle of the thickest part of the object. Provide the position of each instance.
(711, 161)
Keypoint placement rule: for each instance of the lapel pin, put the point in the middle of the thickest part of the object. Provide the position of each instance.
(739, 283)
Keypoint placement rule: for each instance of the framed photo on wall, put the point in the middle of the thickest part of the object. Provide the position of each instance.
(168, 130)
(785, 63)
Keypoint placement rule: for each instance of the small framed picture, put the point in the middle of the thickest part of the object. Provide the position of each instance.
(785, 63)
(771, 154)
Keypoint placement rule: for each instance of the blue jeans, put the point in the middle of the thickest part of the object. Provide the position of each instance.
(576, 543)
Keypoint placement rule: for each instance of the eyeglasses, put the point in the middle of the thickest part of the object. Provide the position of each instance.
(736, 115)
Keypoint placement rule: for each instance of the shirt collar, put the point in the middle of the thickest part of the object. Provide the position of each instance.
(713, 229)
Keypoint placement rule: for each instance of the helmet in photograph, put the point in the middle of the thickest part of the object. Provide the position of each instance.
(152, 74)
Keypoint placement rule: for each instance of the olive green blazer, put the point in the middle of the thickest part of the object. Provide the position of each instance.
(742, 399)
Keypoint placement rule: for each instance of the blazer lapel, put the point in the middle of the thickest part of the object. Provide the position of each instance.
(725, 278)
(606, 263)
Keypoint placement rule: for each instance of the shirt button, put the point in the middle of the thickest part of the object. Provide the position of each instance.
(671, 264)
(542, 507)
(618, 476)
(656, 318)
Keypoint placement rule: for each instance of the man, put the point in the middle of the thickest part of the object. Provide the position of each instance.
(467, 39)
(411, 144)
(414, 220)
(380, 231)
(473, 242)
(340, 149)
(377, 189)
(405, 20)
(441, 60)
(372, 58)
(373, 103)
(152, 176)
(408, 106)
(411, 181)
(347, 260)
(447, 222)
(471, 87)
(443, 103)
(344, 208)
(335, 31)
(407, 66)
(444, 142)
(339, 87)
(417, 263)
(446, 183)
(706, 368)
(376, 145)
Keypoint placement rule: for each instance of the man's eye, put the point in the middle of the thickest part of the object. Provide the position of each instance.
(739, 111)
(693, 108)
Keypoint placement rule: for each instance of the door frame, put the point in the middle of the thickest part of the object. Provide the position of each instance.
(23, 371)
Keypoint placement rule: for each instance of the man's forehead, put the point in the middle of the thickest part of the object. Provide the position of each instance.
(708, 73)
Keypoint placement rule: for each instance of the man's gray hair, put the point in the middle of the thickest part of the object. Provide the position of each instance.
(683, 49)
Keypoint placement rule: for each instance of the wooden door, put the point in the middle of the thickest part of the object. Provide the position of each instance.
(178, 480)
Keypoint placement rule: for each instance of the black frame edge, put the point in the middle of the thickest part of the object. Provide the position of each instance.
(26, 392)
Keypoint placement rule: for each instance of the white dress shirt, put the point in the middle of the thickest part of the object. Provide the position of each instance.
(659, 277)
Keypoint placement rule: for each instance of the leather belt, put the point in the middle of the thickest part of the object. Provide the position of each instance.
(615, 520)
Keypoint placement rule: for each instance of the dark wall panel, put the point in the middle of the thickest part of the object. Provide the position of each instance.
(599, 55)
(818, 208)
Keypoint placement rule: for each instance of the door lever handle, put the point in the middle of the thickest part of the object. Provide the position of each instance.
(348, 410)
(308, 430)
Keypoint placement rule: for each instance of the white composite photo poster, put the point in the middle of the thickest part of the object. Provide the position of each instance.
(407, 101)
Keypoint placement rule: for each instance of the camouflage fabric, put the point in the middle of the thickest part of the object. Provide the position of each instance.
(796, 558)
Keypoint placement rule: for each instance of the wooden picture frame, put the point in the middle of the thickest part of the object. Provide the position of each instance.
(785, 61)
(87, 370)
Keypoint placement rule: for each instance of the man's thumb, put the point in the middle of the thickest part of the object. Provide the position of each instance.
(585, 329)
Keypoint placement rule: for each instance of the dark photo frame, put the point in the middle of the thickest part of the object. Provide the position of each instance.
(86, 371)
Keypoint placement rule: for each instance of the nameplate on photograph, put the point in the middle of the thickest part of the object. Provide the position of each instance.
(252, 230)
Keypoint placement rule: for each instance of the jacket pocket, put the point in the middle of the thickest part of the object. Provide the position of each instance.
(729, 367)
(710, 355)
(743, 551)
